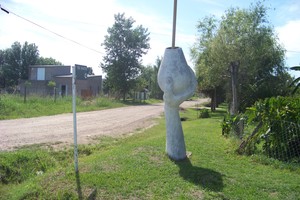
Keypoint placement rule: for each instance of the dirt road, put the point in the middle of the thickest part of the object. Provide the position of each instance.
(59, 128)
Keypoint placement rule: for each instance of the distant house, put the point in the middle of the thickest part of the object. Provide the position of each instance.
(40, 75)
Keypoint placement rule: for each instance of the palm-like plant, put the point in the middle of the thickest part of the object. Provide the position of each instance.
(297, 80)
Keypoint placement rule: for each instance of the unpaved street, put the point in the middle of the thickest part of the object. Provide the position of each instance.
(59, 128)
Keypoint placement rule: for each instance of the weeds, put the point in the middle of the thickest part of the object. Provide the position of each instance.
(136, 167)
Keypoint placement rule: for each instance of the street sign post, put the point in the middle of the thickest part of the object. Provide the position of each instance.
(74, 117)
(79, 72)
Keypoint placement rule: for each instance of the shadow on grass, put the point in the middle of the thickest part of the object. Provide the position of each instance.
(91, 196)
(218, 113)
(79, 190)
(207, 178)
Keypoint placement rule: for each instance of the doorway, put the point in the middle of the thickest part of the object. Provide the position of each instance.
(63, 90)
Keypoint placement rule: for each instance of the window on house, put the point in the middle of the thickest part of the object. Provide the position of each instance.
(40, 74)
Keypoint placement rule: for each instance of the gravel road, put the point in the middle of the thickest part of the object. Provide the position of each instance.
(58, 129)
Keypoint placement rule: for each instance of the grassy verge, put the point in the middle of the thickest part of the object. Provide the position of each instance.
(136, 167)
(13, 106)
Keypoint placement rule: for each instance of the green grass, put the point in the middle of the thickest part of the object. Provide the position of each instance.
(13, 106)
(137, 167)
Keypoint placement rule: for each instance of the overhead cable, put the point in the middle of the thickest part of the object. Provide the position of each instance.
(55, 33)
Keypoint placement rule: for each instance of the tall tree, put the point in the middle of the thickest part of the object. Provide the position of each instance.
(16, 60)
(145, 79)
(124, 46)
(210, 74)
(245, 52)
(156, 92)
(148, 79)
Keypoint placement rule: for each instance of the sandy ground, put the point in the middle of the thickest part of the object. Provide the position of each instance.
(58, 129)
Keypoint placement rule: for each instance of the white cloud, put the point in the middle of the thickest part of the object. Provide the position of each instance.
(85, 22)
(289, 36)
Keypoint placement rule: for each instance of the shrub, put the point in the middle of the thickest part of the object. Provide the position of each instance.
(204, 113)
(277, 129)
(233, 124)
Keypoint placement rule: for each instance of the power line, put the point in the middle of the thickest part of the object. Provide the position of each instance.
(55, 33)
(78, 43)
(4, 9)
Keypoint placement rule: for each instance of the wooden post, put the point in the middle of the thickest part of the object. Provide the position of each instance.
(234, 85)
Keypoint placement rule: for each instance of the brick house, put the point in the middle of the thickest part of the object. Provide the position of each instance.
(40, 75)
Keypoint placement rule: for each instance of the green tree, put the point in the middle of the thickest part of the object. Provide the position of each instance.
(240, 53)
(296, 81)
(90, 71)
(148, 80)
(145, 79)
(16, 60)
(124, 46)
(47, 61)
(156, 92)
(210, 74)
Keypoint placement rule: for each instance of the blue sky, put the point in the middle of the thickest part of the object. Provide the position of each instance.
(86, 22)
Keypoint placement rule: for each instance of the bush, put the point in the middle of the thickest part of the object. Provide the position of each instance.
(204, 113)
(278, 128)
(233, 124)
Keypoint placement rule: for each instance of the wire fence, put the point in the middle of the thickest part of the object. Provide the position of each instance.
(282, 141)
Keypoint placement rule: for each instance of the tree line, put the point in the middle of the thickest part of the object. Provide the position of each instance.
(14, 63)
(237, 59)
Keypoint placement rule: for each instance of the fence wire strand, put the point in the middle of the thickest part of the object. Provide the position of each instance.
(282, 141)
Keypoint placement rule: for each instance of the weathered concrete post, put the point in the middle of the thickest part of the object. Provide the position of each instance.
(178, 82)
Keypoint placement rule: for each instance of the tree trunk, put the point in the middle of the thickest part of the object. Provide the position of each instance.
(213, 103)
(234, 85)
(124, 96)
(215, 99)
